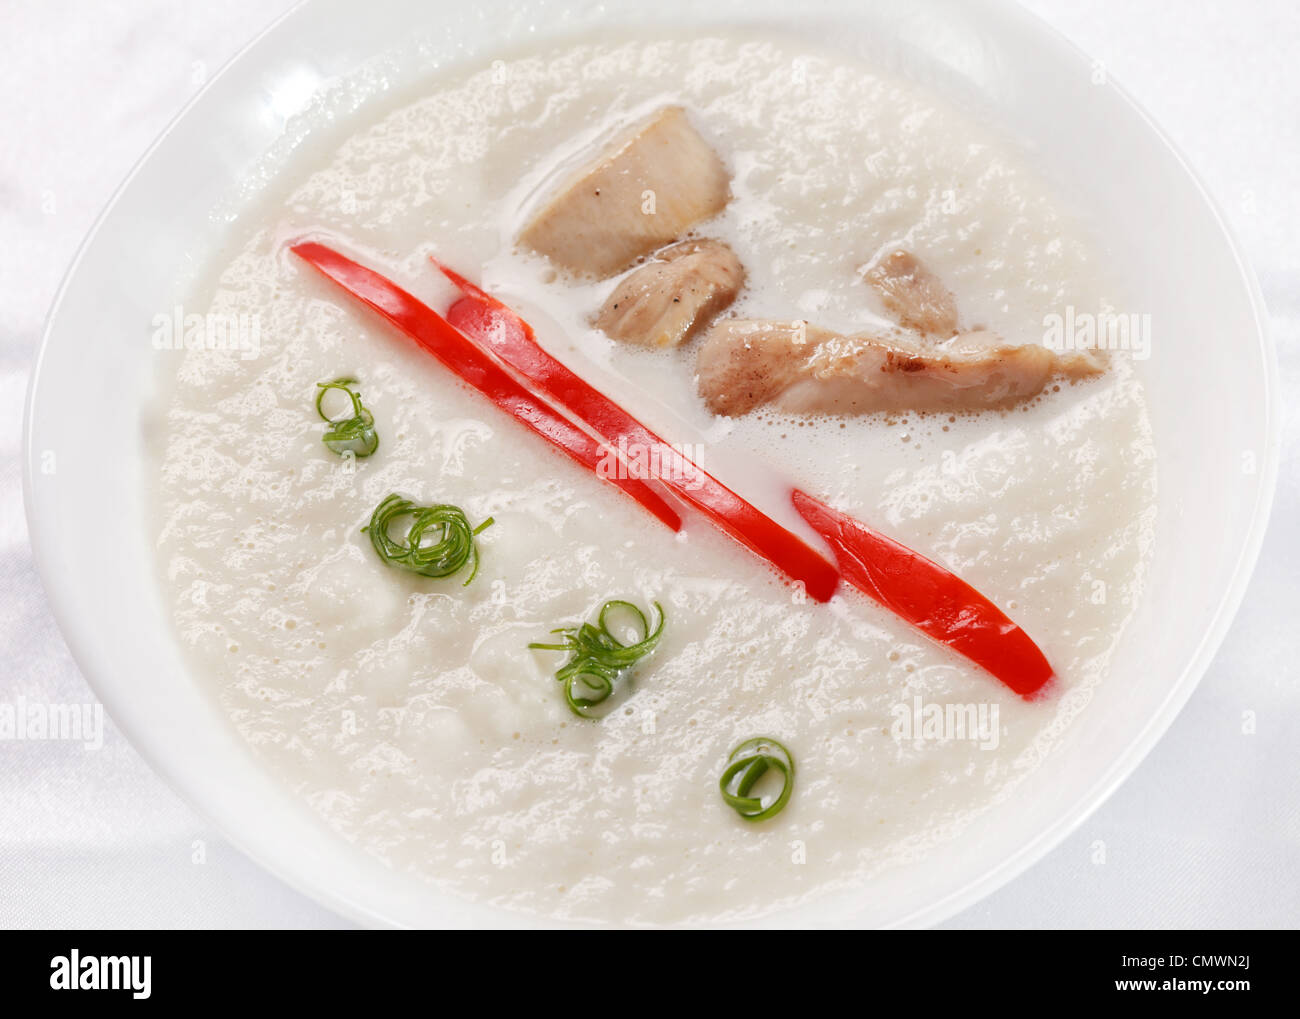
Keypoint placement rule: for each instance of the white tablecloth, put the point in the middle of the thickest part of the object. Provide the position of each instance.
(1206, 833)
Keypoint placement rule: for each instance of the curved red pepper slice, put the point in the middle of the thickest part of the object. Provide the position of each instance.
(932, 599)
(467, 361)
(484, 318)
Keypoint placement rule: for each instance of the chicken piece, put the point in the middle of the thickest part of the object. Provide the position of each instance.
(647, 188)
(667, 300)
(801, 369)
(913, 294)
(744, 363)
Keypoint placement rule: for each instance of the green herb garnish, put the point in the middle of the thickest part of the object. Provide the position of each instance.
(597, 658)
(452, 548)
(355, 434)
(745, 766)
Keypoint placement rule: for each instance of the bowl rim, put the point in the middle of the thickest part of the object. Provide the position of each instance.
(1120, 768)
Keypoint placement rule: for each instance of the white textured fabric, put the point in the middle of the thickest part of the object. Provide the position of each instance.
(1206, 833)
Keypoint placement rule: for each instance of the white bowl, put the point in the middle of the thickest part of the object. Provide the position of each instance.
(1211, 383)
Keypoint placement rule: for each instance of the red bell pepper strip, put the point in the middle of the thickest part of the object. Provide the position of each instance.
(480, 370)
(929, 597)
(484, 318)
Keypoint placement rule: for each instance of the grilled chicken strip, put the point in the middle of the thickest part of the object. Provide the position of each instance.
(645, 189)
(913, 294)
(801, 369)
(667, 300)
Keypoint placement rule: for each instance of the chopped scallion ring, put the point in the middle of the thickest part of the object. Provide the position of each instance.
(355, 434)
(452, 549)
(597, 658)
(746, 764)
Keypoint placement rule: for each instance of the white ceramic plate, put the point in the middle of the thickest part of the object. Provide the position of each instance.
(1211, 384)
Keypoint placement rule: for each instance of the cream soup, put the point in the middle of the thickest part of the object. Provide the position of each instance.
(409, 711)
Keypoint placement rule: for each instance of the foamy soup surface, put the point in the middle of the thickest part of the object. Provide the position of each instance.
(410, 713)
